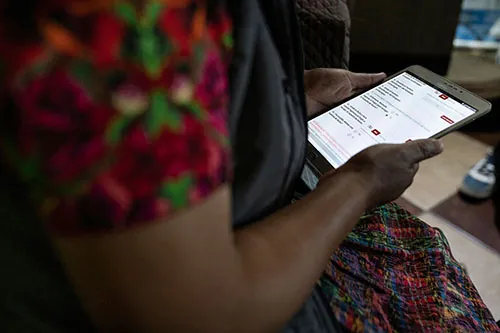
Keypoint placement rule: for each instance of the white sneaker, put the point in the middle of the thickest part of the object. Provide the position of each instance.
(480, 180)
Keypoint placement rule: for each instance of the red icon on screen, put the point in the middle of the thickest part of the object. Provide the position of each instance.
(376, 132)
(448, 120)
(443, 96)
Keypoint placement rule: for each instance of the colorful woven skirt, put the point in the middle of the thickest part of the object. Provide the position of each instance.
(395, 273)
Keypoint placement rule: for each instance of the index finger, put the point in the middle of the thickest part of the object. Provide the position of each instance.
(420, 150)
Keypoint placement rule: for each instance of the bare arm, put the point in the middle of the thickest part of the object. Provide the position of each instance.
(193, 273)
(109, 168)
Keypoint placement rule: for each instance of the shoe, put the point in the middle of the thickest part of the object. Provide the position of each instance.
(480, 180)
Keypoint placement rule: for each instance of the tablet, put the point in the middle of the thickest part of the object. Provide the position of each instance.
(412, 104)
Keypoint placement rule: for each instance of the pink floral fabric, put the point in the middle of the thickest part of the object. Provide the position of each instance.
(116, 115)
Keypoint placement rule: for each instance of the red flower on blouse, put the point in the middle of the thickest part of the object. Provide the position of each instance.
(106, 40)
(62, 124)
(141, 162)
(175, 23)
(213, 87)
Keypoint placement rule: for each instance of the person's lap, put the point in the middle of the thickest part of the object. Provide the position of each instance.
(394, 272)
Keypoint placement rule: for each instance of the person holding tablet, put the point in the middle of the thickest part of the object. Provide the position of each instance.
(150, 150)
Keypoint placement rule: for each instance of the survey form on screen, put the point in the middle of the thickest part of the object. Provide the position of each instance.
(399, 110)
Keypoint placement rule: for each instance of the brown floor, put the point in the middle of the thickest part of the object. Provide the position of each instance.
(488, 138)
(475, 218)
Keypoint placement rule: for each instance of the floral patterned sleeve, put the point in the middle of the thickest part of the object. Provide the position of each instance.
(115, 114)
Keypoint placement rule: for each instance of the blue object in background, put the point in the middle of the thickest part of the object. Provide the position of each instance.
(474, 28)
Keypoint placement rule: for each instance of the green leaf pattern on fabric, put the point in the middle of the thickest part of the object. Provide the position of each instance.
(195, 109)
(152, 13)
(83, 71)
(162, 113)
(149, 44)
(227, 40)
(126, 12)
(116, 129)
(177, 191)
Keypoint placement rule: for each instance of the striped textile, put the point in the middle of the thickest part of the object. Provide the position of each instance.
(395, 273)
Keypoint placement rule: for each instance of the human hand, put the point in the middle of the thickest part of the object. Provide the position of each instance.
(387, 170)
(325, 87)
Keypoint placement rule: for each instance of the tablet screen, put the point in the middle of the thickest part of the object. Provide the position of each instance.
(401, 109)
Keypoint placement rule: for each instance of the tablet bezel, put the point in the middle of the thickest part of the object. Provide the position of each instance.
(320, 165)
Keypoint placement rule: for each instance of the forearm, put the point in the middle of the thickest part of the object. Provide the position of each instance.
(285, 255)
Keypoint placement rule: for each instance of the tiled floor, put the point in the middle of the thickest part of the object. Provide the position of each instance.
(469, 227)
(439, 178)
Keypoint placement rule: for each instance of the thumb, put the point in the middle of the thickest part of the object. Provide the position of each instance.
(362, 81)
(420, 150)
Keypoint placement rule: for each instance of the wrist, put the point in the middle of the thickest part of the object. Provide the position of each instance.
(352, 184)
